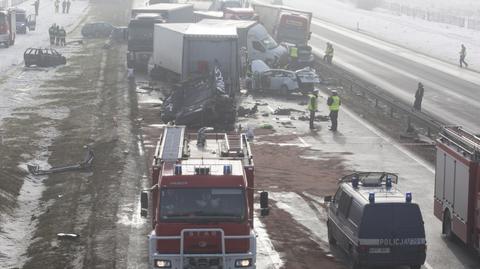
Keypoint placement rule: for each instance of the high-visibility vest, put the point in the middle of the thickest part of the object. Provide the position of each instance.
(312, 103)
(335, 106)
(294, 52)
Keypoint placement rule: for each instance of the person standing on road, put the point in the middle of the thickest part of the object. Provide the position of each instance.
(36, 5)
(417, 105)
(57, 5)
(64, 6)
(293, 56)
(312, 107)
(329, 51)
(51, 33)
(463, 54)
(68, 6)
(334, 104)
(62, 34)
(57, 37)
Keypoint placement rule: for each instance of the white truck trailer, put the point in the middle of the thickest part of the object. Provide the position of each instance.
(189, 50)
(457, 185)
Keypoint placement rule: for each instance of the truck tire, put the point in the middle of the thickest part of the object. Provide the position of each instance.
(331, 239)
(447, 225)
(284, 90)
(7, 44)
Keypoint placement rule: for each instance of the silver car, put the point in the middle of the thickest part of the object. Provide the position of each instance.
(281, 80)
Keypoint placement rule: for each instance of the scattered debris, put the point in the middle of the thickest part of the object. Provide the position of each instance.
(265, 114)
(67, 236)
(285, 111)
(85, 164)
(322, 118)
(245, 112)
(266, 126)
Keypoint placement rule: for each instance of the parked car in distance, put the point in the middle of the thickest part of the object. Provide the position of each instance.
(43, 57)
(375, 223)
(97, 29)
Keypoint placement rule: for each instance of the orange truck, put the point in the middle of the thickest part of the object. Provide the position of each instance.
(201, 201)
(457, 185)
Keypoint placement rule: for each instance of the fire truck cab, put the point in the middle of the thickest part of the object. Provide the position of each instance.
(457, 185)
(7, 27)
(201, 201)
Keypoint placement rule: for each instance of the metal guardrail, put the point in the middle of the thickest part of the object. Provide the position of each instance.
(354, 85)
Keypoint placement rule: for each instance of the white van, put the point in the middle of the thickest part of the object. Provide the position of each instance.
(253, 36)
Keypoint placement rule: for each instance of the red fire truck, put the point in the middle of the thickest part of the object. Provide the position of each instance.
(7, 27)
(202, 201)
(457, 185)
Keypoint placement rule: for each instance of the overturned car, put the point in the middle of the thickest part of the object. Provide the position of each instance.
(199, 102)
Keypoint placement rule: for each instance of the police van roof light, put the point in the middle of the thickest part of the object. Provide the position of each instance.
(408, 197)
(178, 169)
(371, 197)
(355, 182)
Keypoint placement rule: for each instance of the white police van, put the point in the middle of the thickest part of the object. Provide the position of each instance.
(374, 223)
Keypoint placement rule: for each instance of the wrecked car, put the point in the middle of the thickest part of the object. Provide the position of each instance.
(97, 29)
(281, 80)
(200, 101)
(43, 57)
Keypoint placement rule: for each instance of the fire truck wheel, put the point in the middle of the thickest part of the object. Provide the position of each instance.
(447, 225)
(331, 239)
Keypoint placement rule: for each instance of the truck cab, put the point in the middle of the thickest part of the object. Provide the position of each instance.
(201, 201)
(375, 223)
(293, 27)
(7, 27)
(24, 22)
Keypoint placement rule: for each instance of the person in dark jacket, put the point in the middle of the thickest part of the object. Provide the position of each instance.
(51, 33)
(62, 34)
(334, 104)
(57, 37)
(463, 54)
(36, 5)
(69, 3)
(64, 6)
(417, 105)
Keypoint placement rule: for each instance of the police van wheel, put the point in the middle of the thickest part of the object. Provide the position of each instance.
(447, 225)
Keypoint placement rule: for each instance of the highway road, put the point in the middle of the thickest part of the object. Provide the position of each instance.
(452, 94)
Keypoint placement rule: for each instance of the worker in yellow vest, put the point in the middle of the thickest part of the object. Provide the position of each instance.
(334, 104)
(293, 56)
(312, 107)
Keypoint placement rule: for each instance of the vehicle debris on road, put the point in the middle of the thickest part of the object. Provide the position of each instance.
(85, 164)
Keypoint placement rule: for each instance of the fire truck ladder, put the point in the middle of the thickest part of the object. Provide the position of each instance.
(464, 140)
(234, 145)
(172, 143)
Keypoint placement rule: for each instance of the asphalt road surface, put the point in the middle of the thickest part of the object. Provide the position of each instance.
(451, 94)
